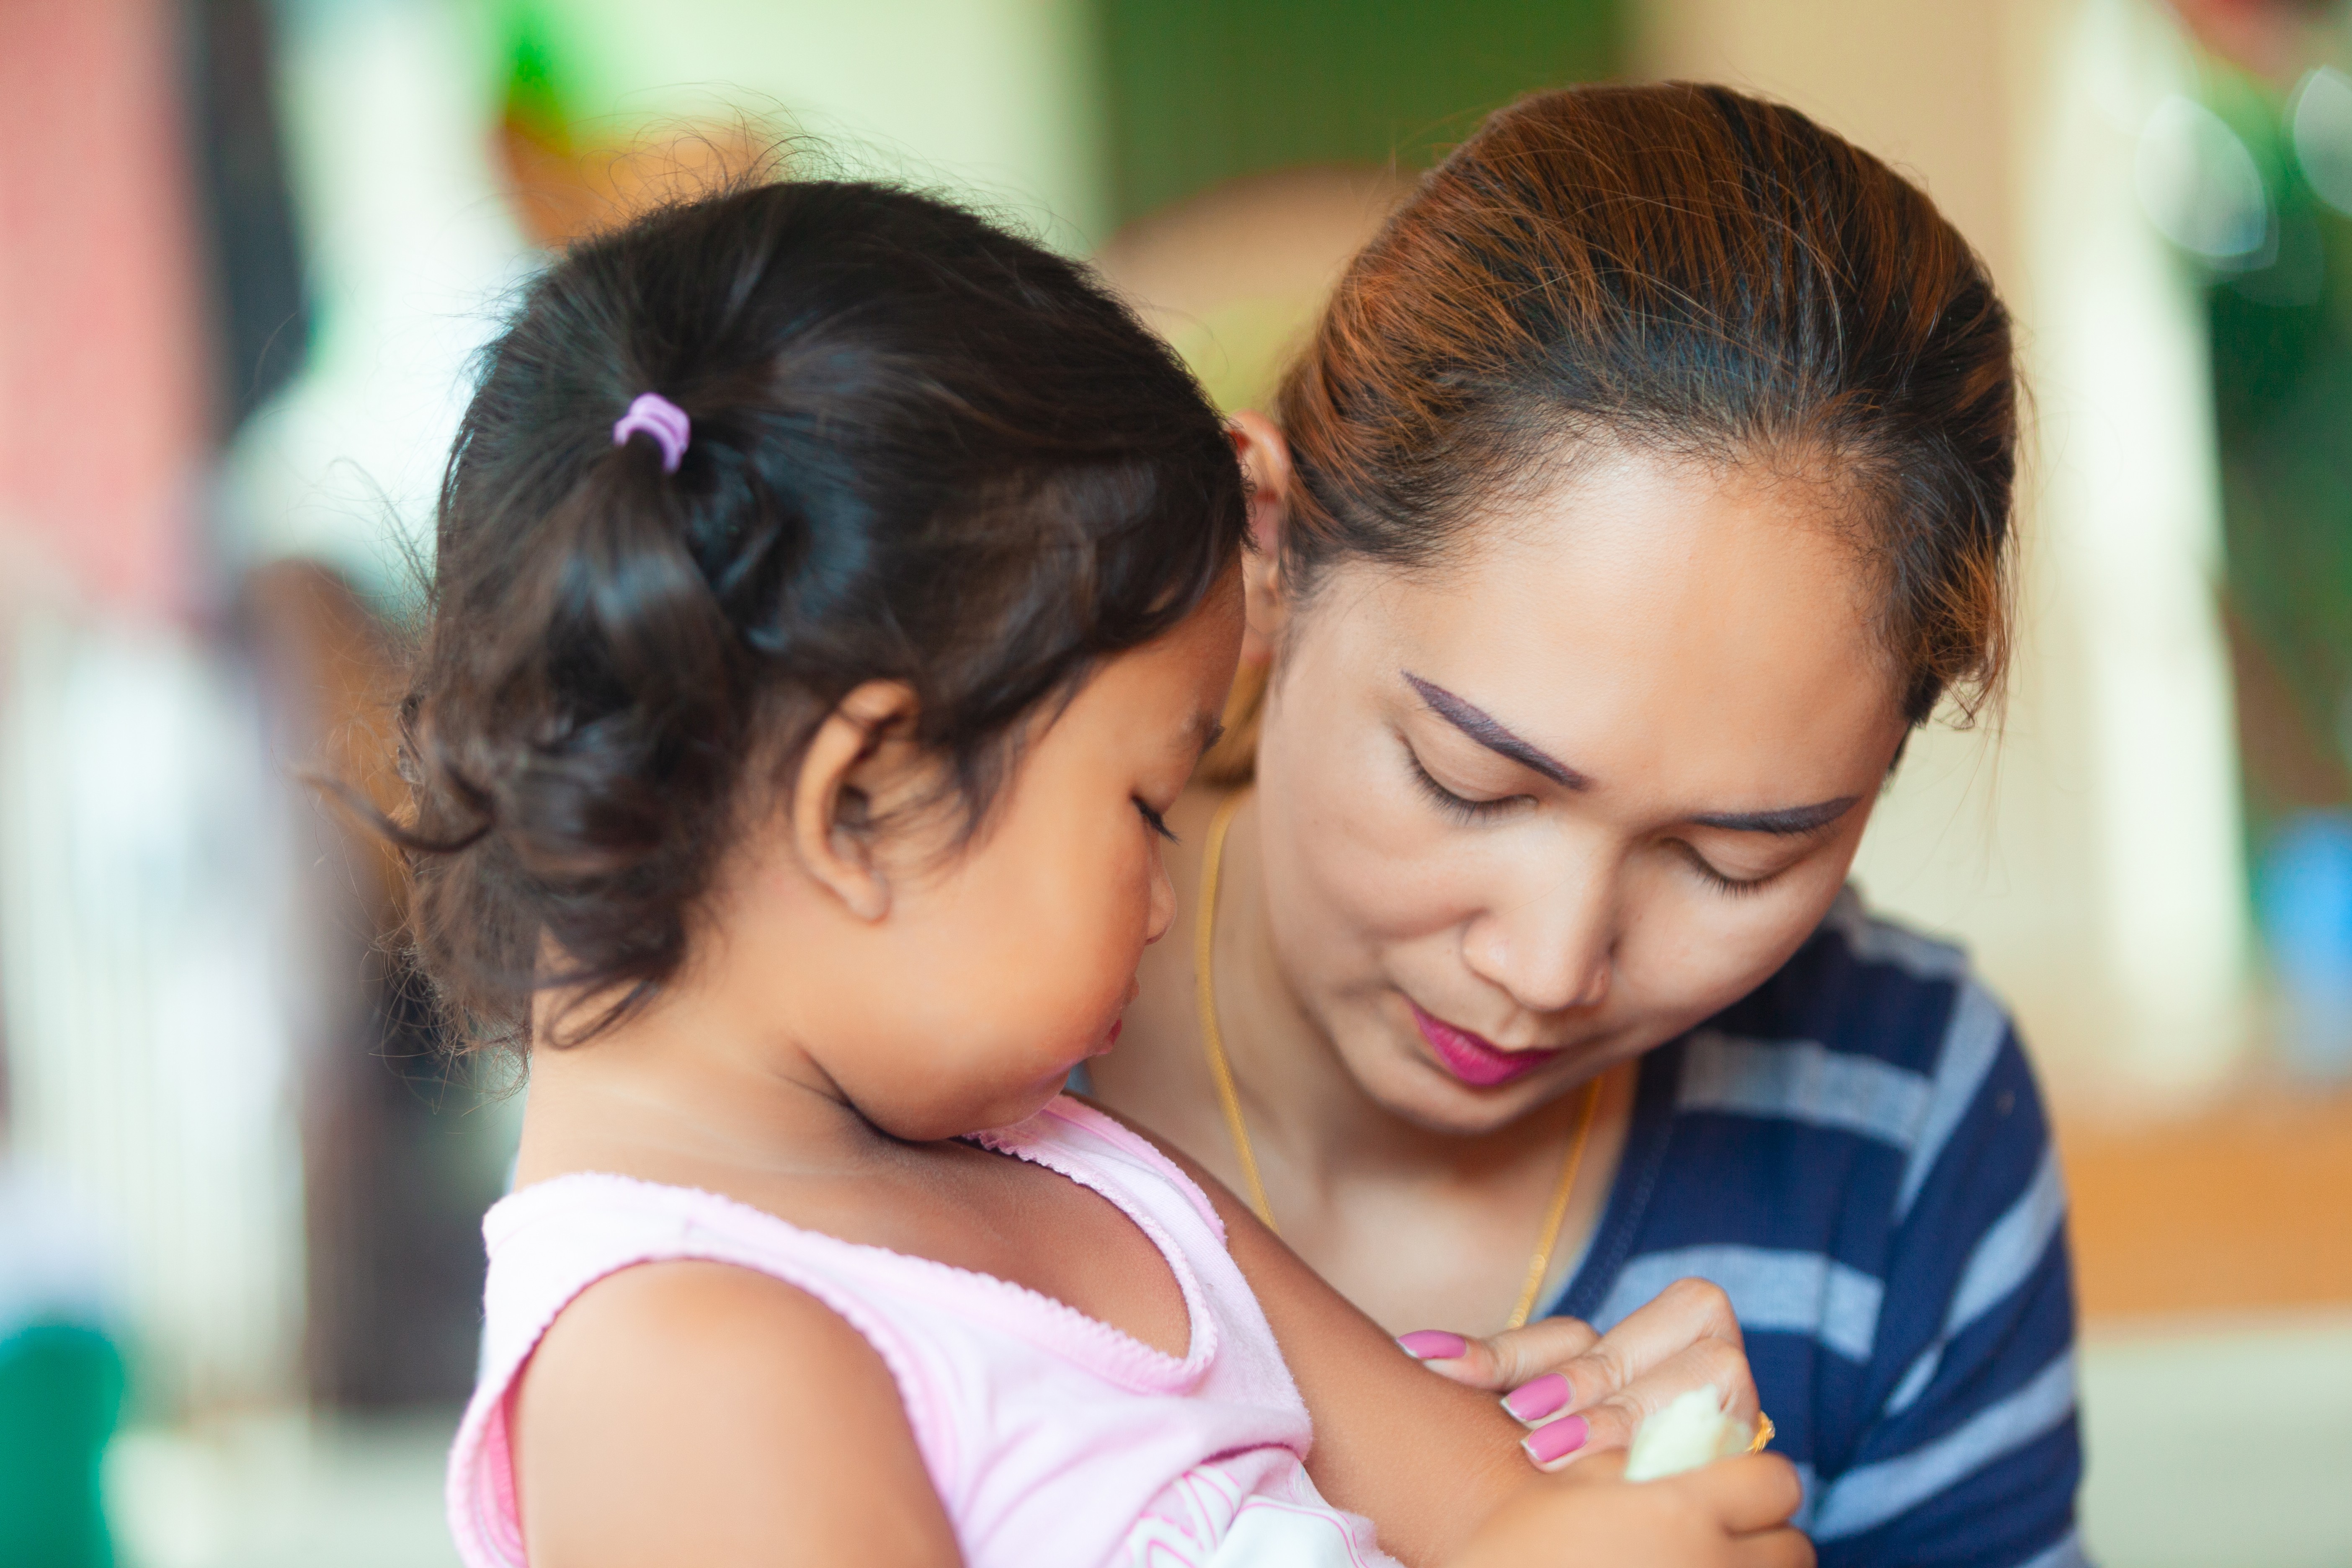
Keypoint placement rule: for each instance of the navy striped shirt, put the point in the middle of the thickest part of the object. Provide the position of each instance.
(1857, 1153)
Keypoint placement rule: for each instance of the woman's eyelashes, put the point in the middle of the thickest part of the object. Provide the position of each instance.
(1154, 820)
(1460, 808)
(1468, 809)
(1730, 887)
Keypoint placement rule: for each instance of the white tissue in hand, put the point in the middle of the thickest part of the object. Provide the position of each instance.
(1691, 1432)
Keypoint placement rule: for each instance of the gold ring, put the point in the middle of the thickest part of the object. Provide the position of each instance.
(1763, 1433)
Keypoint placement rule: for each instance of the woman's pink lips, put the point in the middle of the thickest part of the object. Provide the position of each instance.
(1479, 1063)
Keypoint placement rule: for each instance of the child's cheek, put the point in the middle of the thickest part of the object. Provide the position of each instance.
(1113, 940)
(1114, 937)
(1065, 965)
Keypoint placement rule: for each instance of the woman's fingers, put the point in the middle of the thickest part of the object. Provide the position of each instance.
(1590, 1365)
(1580, 1393)
(1615, 1417)
(1509, 1359)
(1610, 1421)
(1650, 1351)
(1687, 1312)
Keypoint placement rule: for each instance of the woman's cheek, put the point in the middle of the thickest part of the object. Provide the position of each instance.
(1724, 946)
(1353, 859)
(1352, 891)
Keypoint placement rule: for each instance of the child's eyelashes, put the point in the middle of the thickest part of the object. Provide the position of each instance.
(1153, 819)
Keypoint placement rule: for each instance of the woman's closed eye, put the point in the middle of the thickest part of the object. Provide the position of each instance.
(1715, 877)
(1460, 807)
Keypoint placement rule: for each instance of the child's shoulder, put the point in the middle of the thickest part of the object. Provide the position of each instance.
(695, 1411)
(683, 1307)
(658, 1330)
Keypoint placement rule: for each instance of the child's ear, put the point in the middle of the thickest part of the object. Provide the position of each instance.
(860, 761)
(1265, 459)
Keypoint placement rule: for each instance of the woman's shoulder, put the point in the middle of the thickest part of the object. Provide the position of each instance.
(1858, 1153)
(1875, 1032)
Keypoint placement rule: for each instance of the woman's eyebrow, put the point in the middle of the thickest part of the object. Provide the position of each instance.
(1789, 822)
(1488, 731)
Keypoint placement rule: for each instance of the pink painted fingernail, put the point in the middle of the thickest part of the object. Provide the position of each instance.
(1555, 1440)
(1432, 1344)
(1532, 1402)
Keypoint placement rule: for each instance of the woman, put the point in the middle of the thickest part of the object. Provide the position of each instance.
(1647, 480)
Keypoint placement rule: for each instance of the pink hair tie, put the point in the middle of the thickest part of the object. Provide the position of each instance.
(657, 416)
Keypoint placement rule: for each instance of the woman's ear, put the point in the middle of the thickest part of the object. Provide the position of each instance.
(860, 760)
(1265, 461)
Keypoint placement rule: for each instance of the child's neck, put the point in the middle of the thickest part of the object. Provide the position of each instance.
(681, 1093)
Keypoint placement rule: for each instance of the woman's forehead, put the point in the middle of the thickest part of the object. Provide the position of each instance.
(1699, 609)
(1667, 556)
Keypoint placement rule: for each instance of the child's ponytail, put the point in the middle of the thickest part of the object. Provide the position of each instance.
(905, 447)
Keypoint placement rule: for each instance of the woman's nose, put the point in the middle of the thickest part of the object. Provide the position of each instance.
(1550, 947)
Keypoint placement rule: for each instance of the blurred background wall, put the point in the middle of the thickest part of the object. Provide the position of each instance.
(250, 247)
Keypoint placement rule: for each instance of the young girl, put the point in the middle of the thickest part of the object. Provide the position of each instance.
(833, 592)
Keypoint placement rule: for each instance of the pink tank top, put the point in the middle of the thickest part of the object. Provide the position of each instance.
(1053, 1439)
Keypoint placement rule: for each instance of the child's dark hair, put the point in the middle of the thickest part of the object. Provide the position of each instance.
(922, 450)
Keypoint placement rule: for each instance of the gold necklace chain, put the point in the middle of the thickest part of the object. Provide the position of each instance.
(1213, 1042)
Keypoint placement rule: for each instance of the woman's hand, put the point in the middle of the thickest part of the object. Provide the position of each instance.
(1731, 1514)
(1584, 1393)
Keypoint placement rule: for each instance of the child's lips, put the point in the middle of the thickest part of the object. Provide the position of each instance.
(1110, 1036)
(1109, 1039)
(1473, 1058)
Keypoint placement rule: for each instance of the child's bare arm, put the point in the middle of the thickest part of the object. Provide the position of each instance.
(1425, 1460)
(697, 1412)
(1435, 1464)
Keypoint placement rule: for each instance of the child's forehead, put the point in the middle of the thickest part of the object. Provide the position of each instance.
(1175, 684)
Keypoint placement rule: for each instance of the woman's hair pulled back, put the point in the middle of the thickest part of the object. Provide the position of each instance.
(1687, 270)
(922, 450)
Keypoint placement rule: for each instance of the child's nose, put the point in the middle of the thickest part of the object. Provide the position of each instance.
(1163, 900)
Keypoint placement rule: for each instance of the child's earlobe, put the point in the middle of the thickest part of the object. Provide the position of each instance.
(853, 758)
(866, 891)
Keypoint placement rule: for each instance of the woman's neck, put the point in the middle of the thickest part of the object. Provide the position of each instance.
(1419, 1227)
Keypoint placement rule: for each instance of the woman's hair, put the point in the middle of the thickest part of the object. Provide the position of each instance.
(921, 450)
(1684, 270)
